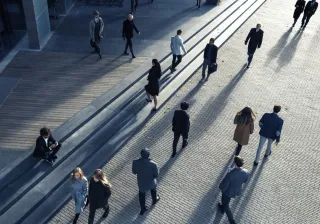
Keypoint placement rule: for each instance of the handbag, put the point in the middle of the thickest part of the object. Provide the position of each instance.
(213, 68)
(93, 43)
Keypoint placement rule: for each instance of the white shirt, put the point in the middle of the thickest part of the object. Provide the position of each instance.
(176, 45)
(96, 20)
(46, 140)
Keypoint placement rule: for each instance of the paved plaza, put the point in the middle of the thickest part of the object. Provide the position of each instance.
(282, 189)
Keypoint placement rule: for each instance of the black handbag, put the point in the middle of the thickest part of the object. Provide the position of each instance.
(93, 43)
(213, 68)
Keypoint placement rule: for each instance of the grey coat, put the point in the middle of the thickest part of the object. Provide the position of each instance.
(147, 171)
(231, 184)
(92, 26)
(79, 192)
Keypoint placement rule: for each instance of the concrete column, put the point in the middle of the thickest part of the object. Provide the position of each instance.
(37, 20)
(64, 6)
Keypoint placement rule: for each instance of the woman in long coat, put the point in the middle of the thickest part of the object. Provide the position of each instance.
(245, 126)
(300, 4)
(99, 194)
(79, 191)
(152, 89)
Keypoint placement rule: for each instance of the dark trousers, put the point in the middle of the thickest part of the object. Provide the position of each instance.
(225, 201)
(142, 198)
(238, 150)
(176, 140)
(129, 44)
(134, 6)
(175, 62)
(250, 57)
(76, 218)
(50, 154)
(96, 44)
(305, 19)
(198, 3)
(92, 212)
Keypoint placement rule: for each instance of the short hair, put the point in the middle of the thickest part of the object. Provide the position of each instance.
(179, 32)
(44, 131)
(96, 13)
(145, 153)
(238, 161)
(212, 39)
(276, 108)
(184, 105)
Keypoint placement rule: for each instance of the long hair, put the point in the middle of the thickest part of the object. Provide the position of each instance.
(157, 65)
(98, 173)
(75, 171)
(245, 116)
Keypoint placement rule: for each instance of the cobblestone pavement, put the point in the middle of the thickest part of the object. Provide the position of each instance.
(282, 189)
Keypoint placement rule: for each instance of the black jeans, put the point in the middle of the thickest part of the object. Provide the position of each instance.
(92, 212)
(174, 62)
(225, 201)
(176, 140)
(305, 19)
(128, 44)
(96, 44)
(76, 218)
(50, 154)
(198, 3)
(238, 150)
(142, 198)
(134, 6)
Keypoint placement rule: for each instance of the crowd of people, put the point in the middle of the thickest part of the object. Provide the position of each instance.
(97, 192)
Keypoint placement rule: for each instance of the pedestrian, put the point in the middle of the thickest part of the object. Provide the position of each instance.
(244, 120)
(198, 3)
(180, 126)
(255, 35)
(79, 191)
(147, 173)
(176, 44)
(134, 5)
(46, 146)
(1, 31)
(309, 10)
(96, 29)
(99, 193)
(127, 33)
(152, 89)
(299, 9)
(271, 127)
(210, 58)
(231, 186)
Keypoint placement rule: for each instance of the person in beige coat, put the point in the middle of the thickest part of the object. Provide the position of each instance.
(96, 29)
(245, 126)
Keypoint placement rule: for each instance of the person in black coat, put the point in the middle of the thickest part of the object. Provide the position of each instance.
(99, 194)
(309, 10)
(127, 33)
(210, 58)
(152, 89)
(255, 35)
(299, 9)
(46, 146)
(180, 126)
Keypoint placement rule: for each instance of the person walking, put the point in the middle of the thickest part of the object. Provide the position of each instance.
(180, 126)
(99, 194)
(176, 44)
(309, 10)
(46, 146)
(147, 173)
(79, 191)
(299, 9)
(244, 120)
(210, 58)
(153, 86)
(271, 127)
(127, 34)
(255, 36)
(198, 3)
(134, 5)
(231, 186)
(96, 29)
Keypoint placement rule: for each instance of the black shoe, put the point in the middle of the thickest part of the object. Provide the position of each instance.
(125, 53)
(143, 211)
(232, 222)
(255, 163)
(266, 155)
(149, 101)
(133, 56)
(54, 157)
(106, 212)
(100, 56)
(157, 199)
(173, 70)
(49, 161)
(220, 207)
(154, 110)
(185, 144)
(173, 155)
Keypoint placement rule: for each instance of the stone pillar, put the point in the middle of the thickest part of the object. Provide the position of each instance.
(37, 20)
(64, 6)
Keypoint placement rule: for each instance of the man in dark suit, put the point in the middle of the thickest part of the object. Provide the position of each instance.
(231, 186)
(147, 173)
(271, 127)
(46, 146)
(309, 10)
(210, 58)
(127, 33)
(255, 35)
(180, 126)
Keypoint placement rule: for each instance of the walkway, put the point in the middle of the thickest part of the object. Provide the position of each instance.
(282, 189)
